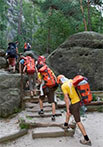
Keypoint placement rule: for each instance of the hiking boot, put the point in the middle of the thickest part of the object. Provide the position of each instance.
(41, 112)
(53, 118)
(86, 142)
(65, 126)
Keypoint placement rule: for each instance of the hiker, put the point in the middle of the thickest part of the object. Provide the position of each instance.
(28, 64)
(48, 86)
(21, 63)
(72, 102)
(11, 55)
(27, 47)
(41, 60)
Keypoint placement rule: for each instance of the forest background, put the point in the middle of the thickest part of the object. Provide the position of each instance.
(45, 24)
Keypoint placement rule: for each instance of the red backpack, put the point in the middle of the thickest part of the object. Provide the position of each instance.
(48, 76)
(83, 89)
(30, 64)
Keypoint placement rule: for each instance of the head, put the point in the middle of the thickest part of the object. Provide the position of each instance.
(22, 57)
(59, 79)
(41, 59)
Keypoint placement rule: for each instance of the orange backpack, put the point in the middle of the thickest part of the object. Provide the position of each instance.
(30, 64)
(77, 79)
(48, 76)
(83, 89)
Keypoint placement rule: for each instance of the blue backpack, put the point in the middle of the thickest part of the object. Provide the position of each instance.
(12, 50)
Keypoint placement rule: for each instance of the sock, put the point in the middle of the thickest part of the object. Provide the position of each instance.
(65, 124)
(86, 137)
(41, 109)
(53, 115)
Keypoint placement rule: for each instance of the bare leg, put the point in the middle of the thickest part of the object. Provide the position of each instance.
(41, 103)
(67, 118)
(13, 68)
(81, 127)
(53, 108)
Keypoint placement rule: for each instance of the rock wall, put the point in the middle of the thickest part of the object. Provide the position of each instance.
(9, 89)
(82, 54)
(9, 93)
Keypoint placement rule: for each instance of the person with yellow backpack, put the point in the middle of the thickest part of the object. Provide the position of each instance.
(72, 101)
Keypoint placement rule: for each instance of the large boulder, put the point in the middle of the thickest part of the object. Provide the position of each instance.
(9, 93)
(2, 53)
(82, 54)
(32, 54)
(3, 62)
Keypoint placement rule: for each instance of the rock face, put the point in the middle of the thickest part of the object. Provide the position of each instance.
(3, 62)
(81, 54)
(9, 93)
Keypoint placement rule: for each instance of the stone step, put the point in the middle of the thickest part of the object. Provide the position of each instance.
(50, 124)
(51, 132)
(33, 105)
(27, 92)
(34, 99)
(34, 122)
(43, 115)
(13, 135)
(35, 110)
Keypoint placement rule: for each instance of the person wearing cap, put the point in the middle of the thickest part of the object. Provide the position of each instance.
(72, 102)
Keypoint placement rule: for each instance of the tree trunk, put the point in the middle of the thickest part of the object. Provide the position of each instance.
(48, 41)
(89, 18)
(49, 31)
(20, 18)
(84, 20)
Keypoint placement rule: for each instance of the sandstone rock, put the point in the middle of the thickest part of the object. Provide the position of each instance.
(3, 63)
(9, 93)
(2, 53)
(81, 54)
(32, 54)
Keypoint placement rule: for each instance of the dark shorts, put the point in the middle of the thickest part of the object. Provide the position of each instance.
(12, 61)
(49, 92)
(75, 111)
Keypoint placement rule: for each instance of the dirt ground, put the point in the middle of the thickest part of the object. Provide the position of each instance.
(93, 123)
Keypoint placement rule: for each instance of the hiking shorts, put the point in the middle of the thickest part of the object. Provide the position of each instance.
(75, 111)
(50, 93)
(12, 61)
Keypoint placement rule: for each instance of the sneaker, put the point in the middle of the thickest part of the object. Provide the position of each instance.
(53, 118)
(65, 126)
(41, 112)
(86, 142)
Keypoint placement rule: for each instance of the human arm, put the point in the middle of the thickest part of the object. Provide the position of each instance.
(66, 99)
(24, 69)
(64, 88)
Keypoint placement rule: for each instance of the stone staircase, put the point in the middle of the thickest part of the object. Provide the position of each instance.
(42, 126)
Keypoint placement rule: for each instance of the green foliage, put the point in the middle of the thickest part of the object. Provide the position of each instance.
(46, 23)
(94, 97)
(3, 23)
(22, 124)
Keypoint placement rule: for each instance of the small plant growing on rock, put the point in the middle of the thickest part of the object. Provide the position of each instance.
(23, 124)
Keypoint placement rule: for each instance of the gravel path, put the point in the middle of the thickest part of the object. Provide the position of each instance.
(93, 123)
